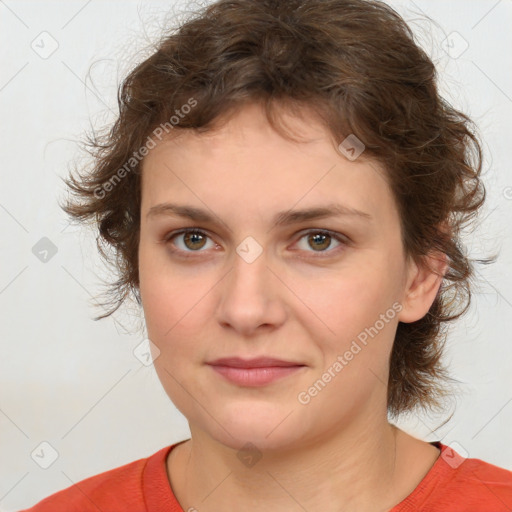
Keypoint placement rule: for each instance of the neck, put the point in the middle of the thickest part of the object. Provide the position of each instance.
(370, 466)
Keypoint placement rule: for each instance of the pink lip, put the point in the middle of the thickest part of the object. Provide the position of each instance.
(254, 372)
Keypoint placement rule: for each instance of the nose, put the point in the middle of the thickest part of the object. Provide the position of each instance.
(252, 297)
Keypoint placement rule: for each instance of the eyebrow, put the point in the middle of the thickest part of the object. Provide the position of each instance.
(282, 218)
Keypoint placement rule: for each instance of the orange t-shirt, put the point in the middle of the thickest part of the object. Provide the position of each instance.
(453, 484)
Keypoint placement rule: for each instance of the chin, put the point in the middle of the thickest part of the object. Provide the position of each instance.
(264, 425)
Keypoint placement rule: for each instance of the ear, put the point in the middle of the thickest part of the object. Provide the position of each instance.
(422, 286)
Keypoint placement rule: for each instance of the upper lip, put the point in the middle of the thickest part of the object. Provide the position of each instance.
(258, 362)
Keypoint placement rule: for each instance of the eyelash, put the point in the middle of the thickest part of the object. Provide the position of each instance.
(342, 239)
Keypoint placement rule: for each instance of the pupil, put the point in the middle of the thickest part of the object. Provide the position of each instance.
(321, 238)
(192, 237)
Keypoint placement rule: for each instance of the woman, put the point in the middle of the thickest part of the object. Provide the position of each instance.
(284, 189)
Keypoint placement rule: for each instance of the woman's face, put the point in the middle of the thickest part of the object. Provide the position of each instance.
(260, 282)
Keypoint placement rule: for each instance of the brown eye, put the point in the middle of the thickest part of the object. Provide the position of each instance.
(188, 241)
(194, 240)
(321, 242)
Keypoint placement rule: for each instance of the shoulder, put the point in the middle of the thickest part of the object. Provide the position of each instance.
(473, 473)
(469, 484)
(119, 489)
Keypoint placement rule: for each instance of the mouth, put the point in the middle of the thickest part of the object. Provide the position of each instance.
(254, 372)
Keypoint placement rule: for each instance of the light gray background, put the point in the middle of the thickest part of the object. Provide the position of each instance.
(75, 383)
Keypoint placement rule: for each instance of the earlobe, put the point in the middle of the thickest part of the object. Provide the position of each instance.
(422, 287)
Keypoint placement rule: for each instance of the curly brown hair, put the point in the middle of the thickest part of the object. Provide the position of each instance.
(355, 62)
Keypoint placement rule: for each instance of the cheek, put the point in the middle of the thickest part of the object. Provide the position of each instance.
(169, 287)
(164, 294)
(176, 308)
(354, 362)
(170, 312)
(344, 305)
(355, 317)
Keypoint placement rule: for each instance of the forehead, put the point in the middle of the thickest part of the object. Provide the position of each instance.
(246, 166)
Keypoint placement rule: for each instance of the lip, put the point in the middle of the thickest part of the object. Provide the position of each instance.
(257, 362)
(254, 372)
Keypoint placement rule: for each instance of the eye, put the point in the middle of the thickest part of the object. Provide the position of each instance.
(192, 240)
(321, 240)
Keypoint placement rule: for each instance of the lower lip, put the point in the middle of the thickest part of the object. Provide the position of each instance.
(255, 376)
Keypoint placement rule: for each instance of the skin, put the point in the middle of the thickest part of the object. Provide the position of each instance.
(294, 302)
